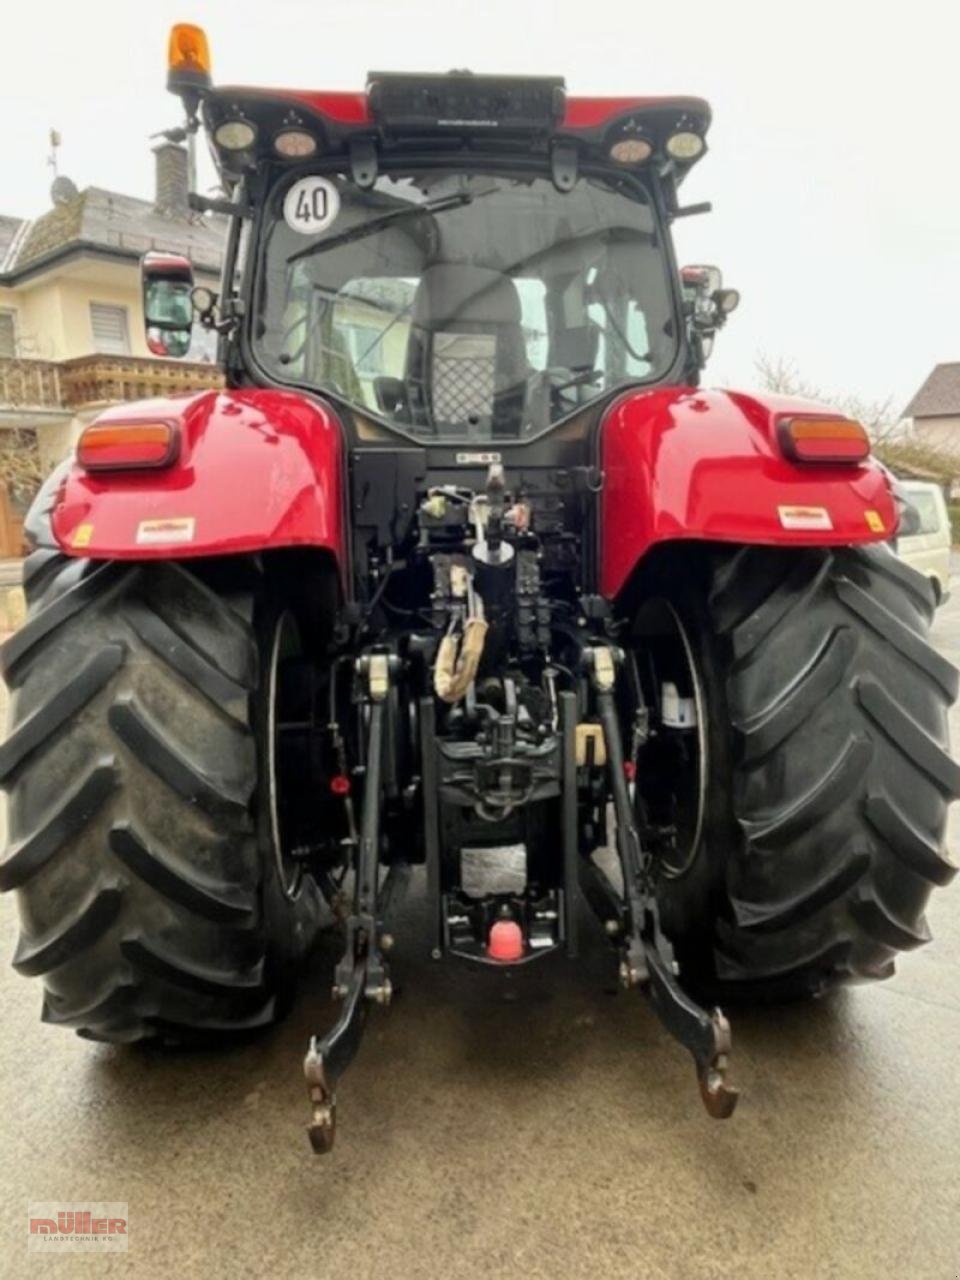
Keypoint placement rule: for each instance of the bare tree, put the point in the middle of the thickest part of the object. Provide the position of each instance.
(781, 375)
(904, 456)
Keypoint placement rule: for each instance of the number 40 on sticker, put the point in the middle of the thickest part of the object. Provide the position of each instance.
(311, 205)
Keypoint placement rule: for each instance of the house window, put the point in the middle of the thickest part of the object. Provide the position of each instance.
(8, 333)
(111, 333)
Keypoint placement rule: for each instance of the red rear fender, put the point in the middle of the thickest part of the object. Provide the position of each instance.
(682, 463)
(257, 469)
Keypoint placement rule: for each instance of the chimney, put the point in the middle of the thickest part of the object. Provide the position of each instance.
(172, 181)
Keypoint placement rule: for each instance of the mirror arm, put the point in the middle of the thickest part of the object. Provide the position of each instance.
(204, 204)
(232, 312)
(671, 198)
(690, 210)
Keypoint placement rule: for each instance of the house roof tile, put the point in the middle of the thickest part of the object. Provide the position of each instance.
(108, 220)
(8, 233)
(939, 397)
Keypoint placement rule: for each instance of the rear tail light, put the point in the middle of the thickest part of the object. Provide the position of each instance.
(122, 446)
(823, 440)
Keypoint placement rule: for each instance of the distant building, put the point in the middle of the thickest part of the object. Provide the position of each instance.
(71, 316)
(935, 409)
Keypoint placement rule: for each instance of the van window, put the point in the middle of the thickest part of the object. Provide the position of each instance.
(928, 509)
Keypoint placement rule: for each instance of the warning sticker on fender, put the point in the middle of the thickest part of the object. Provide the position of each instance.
(170, 529)
(805, 517)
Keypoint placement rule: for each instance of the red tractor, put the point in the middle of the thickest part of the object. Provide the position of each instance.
(464, 570)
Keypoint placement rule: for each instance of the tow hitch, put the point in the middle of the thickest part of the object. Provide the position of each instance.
(646, 955)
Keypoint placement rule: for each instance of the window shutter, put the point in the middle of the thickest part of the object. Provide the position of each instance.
(110, 333)
(8, 334)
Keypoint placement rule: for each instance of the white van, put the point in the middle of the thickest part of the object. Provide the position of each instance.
(927, 550)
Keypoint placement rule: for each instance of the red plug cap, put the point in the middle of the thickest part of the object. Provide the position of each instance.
(505, 942)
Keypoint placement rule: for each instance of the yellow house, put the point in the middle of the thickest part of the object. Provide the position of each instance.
(71, 316)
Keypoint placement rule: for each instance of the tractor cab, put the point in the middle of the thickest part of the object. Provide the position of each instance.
(460, 258)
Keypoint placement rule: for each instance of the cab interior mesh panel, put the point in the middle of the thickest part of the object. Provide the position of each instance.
(464, 367)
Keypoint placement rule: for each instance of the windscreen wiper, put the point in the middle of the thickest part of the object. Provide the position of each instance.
(437, 205)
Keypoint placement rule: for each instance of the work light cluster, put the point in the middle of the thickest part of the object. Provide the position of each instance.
(291, 141)
(634, 145)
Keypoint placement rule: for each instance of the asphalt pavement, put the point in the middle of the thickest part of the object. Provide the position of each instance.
(542, 1128)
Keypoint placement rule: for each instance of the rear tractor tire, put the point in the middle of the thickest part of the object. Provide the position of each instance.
(815, 788)
(151, 898)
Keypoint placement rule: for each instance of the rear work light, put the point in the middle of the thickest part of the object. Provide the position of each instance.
(127, 446)
(235, 134)
(804, 439)
(294, 144)
(685, 145)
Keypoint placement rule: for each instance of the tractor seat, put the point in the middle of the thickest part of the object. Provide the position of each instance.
(467, 363)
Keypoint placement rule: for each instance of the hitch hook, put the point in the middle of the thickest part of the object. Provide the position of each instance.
(719, 1097)
(327, 1058)
(705, 1035)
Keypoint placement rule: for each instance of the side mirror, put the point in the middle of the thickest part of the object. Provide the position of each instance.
(700, 282)
(167, 283)
(706, 304)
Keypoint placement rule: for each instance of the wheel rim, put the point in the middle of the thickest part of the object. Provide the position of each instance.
(285, 643)
(672, 767)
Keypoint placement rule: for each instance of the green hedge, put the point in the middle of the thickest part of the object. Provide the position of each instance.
(954, 510)
(920, 460)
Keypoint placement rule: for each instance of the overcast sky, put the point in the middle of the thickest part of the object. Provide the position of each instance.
(833, 167)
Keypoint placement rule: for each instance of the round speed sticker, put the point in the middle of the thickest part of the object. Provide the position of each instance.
(311, 205)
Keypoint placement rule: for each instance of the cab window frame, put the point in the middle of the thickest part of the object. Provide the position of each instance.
(266, 191)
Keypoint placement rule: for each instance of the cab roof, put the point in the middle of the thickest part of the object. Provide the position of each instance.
(522, 114)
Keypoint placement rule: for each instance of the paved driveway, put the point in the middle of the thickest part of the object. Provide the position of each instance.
(556, 1134)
